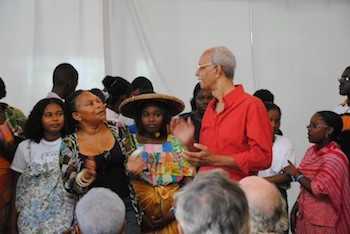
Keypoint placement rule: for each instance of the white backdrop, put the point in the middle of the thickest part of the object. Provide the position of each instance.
(295, 48)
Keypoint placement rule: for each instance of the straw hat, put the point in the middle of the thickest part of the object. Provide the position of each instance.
(129, 107)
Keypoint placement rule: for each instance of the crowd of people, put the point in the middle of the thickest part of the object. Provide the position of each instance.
(125, 160)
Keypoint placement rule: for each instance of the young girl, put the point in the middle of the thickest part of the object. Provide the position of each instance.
(41, 202)
(165, 170)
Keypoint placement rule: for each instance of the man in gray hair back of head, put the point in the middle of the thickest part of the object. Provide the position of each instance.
(266, 206)
(212, 204)
(100, 211)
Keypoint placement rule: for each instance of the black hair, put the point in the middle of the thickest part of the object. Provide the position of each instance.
(33, 128)
(272, 106)
(335, 121)
(116, 87)
(98, 92)
(63, 74)
(71, 108)
(196, 91)
(166, 118)
(264, 95)
(2, 89)
(143, 84)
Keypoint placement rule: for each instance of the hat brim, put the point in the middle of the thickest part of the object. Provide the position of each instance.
(129, 107)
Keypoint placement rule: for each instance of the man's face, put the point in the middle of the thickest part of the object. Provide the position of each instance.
(206, 72)
(344, 83)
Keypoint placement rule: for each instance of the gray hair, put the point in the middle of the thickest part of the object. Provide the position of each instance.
(267, 208)
(260, 222)
(100, 211)
(212, 204)
(224, 57)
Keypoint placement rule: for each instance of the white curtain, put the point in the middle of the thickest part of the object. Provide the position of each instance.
(295, 48)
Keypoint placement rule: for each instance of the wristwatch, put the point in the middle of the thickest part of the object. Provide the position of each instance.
(297, 178)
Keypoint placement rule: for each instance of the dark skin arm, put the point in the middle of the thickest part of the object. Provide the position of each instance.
(279, 179)
(14, 213)
(291, 170)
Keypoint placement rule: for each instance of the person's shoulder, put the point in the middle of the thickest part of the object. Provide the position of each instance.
(14, 111)
(283, 140)
(23, 145)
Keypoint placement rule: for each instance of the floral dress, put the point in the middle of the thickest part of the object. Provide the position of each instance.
(43, 204)
(164, 173)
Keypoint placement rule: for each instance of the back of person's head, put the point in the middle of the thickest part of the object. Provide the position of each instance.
(265, 206)
(99, 93)
(100, 211)
(2, 89)
(196, 91)
(212, 204)
(141, 85)
(273, 106)
(34, 128)
(224, 57)
(265, 95)
(117, 88)
(335, 121)
(65, 77)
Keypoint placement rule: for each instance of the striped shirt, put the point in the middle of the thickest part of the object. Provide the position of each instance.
(328, 207)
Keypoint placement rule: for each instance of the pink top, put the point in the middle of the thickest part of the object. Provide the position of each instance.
(329, 205)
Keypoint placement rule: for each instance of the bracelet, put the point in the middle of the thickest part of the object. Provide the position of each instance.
(297, 178)
(81, 181)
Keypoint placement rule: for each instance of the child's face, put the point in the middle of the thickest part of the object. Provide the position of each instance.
(275, 119)
(53, 118)
(152, 119)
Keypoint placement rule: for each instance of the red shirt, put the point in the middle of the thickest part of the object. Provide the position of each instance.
(242, 130)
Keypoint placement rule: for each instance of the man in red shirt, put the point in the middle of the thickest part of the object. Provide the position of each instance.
(236, 133)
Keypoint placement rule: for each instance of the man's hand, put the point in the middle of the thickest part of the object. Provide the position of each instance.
(200, 158)
(183, 130)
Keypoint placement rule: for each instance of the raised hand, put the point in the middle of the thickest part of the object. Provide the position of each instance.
(183, 130)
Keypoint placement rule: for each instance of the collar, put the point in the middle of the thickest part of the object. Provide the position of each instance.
(235, 96)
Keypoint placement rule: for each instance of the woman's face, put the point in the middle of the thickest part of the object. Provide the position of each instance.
(202, 99)
(275, 120)
(317, 131)
(53, 118)
(152, 119)
(89, 108)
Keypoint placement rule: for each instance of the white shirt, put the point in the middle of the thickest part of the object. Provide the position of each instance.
(53, 95)
(342, 109)
(44, 152)
(282, 150)
(116, 117)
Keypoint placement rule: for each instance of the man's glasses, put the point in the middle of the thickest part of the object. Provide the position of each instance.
(344, 79)
(313, 126)
(202, 66)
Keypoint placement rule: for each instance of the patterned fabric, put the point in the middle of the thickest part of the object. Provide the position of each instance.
(165, 164)
(43, 204)
(71, 164)
(327, 208)
(15, 119)
(11, 132)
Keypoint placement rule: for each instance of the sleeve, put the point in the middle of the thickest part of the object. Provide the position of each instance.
(19, 162)
(282, 152)
(259, 138)
(329, 180)
(70, 166)
(188, 170)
